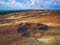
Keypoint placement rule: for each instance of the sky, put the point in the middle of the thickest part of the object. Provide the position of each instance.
(29, 4)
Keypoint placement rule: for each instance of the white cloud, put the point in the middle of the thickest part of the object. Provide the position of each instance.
(11, 3)
(14, 3)
(31, 3)
(52, 3)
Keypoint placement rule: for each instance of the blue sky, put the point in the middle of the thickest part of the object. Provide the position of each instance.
(29, 4)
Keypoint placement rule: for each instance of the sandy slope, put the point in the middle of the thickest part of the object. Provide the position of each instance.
(10, 23)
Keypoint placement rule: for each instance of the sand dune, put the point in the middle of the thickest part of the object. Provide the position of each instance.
(16, 27)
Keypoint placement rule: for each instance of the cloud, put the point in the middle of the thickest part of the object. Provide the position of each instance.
(38, 4)
(32, 3)
(12, 3)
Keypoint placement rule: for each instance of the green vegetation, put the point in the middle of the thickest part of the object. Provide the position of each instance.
(30, 42)
(55, 41)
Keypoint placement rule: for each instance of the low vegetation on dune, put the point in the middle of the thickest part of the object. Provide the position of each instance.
(17, 33)
(29, 42)
(41, 16)
(38, 27)
(54, 41)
